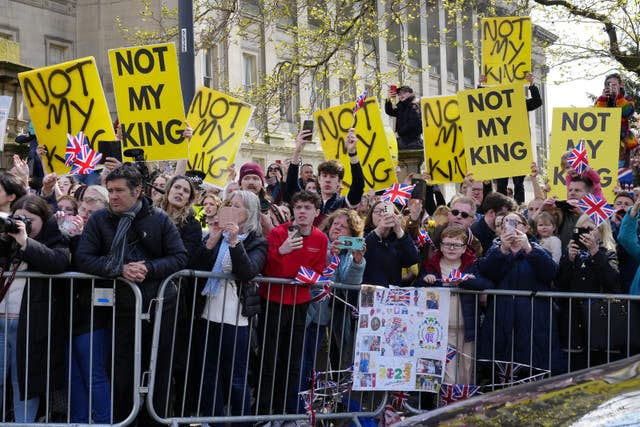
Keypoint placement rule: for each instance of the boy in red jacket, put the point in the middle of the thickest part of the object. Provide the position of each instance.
(284, 307)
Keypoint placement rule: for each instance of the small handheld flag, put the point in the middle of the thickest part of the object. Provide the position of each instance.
(578, 157)
(398, 193)
(596, 208)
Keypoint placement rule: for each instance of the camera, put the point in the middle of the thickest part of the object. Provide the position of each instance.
(8, 223)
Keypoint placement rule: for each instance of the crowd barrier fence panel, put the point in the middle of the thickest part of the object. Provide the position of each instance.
(250, 399)
(63, 313)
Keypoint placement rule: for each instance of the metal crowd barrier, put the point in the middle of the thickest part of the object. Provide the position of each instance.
(64, 326)
(252, 399)
(202, 372)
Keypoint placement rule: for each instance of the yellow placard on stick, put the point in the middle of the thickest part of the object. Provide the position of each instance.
(496, 131)
(600, 129)
(443, 143)
(333, 125)
(66, 99)
(219, 123)
(146, 86)
(506, 49)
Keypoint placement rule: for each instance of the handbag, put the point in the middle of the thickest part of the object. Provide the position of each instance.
(611, 322)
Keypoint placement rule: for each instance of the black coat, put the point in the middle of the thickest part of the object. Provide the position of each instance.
(247, 261)
(48, 253)
(408, 118)
(152, 238)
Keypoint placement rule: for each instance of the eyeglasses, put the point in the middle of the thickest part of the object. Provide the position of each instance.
(456, 212)
(378, 211)
(513, 222)
(273, 169)
(445, 245)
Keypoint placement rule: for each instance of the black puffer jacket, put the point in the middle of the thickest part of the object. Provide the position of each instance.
(152, 238)
(48, 253)
(247, 259)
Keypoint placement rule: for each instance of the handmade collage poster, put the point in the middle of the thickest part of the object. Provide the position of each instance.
(401, 342)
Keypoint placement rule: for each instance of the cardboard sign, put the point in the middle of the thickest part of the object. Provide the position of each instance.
(443, 144)
(65, 99)
(496, 131)
(146, 86)
(600, 128)
(402, 338)
(219, 123)
(506, 49)
(333, 125)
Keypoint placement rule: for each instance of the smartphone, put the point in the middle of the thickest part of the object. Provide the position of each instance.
(562, 204)
(308, 125)
(293, 230)
(352, 243)
(231, 214)
(577, 232)
(394, 89)
(419, 188)
(110, 149)
(508, 228)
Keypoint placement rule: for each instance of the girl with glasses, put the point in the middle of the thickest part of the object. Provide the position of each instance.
(454, 254)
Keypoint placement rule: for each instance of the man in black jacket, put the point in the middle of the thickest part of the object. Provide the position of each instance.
(134, 240)
(408, 120)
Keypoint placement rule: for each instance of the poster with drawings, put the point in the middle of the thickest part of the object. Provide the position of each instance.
(401, 343)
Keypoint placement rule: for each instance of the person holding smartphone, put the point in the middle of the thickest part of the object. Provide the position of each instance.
(589, 265)
(519, 329)
(613, 96)
(403, 105)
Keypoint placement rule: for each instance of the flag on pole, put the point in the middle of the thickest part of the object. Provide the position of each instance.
(578, 157)
(596, 208)
(360, 101)
(398, 193)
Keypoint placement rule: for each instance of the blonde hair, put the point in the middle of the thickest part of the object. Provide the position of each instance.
(606, 236)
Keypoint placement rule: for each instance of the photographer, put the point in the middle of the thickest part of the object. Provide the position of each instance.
(30, 309)
(613, 96)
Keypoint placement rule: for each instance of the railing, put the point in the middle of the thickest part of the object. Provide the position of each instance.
(209, 364)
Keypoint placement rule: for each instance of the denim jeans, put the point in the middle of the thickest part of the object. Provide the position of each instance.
(90, 375)
(25, 410)
(227, 347)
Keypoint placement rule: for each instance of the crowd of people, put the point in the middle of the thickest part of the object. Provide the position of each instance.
(145, 226)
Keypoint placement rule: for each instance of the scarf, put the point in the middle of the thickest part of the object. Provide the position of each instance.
(115, 259)
(213, 284)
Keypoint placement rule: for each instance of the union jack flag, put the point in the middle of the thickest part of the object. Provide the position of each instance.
(323, 294)
(625, 175)
(330, 269)
(400, 398)
(450, 393)
(423, 238)
(74, 146)
(596, 208)
(360, 101)
(85, 161)
(400, 193)
(398, 297)
(307, 275)
(455, 276)
(452, 353)
(507, 371)
(578, 157)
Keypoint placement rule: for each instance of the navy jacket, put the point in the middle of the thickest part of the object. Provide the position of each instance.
(386, 257)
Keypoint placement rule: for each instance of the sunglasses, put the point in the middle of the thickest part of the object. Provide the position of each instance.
(273, 169)
(456, 212)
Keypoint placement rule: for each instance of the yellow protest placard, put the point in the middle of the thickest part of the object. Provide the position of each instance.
(443, 144)
(66, 99)
(219, 123)
(392, 144)
(147, 90)
(506, 49)
(333, 125)
(496, 131)
(600, 128)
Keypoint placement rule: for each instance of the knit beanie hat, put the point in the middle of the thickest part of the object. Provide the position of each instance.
(251, 169)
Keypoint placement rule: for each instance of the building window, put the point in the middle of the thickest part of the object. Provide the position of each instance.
(288, 93)
(210, 68)
(57, 51)
(250, 71)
